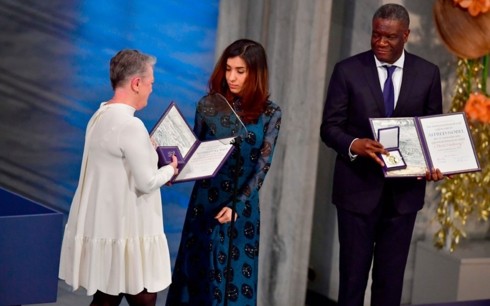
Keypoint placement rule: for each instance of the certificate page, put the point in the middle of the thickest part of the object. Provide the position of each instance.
(409, 145)
(206, 160)
(449, 143)
(172, 130)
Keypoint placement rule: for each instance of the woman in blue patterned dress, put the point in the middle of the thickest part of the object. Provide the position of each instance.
(199, 276)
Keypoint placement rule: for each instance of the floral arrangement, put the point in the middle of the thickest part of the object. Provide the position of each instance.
(463, 27)
(474, 7)
(478, 107)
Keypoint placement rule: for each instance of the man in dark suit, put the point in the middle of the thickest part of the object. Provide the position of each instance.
(376, 216)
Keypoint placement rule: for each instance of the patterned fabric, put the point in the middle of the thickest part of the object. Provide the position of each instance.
(199, 272)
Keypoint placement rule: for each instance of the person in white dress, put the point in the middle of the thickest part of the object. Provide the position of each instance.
(114, 244)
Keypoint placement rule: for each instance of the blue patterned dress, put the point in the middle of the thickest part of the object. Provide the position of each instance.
(199, 272)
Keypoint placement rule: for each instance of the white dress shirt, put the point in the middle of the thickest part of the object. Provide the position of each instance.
(382, 75)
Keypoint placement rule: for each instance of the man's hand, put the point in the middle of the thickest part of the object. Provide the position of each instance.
(368, 148)
(434, 175)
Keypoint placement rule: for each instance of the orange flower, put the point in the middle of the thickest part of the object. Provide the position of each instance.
(474, 7)
(478, 107)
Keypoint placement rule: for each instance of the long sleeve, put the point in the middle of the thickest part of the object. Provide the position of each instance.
(434, 99)
(333, 131)
(139, 154)
(199, 125)
(271, 130)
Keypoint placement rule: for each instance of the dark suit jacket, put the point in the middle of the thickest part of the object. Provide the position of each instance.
(354, 95)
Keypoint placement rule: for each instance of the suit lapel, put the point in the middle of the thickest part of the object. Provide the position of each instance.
(409, 76)
(372, 79)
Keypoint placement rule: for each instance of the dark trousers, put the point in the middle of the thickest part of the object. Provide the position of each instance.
(382, 238)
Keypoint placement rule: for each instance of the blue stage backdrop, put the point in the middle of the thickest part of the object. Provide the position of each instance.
(54, 73)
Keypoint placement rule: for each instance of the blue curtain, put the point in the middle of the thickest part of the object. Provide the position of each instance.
(54, 64)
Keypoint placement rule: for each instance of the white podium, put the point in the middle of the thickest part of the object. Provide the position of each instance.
(441, 276)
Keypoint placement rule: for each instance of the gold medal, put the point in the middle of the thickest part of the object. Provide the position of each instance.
(392, 160)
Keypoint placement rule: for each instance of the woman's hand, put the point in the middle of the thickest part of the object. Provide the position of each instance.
(174, 165)
(154, 143)
(224, 215)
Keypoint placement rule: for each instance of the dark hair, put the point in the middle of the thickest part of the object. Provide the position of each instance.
(255, 93)
(393, 12)
(127, 63)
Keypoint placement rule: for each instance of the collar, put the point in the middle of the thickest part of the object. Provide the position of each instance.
(399, 62)
(122, 106)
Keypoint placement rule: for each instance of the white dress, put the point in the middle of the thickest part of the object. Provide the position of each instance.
(114, 239)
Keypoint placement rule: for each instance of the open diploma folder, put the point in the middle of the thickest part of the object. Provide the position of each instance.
(440, 141)
(197, 160)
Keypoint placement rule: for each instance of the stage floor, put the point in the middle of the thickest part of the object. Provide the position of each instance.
(66, 297)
